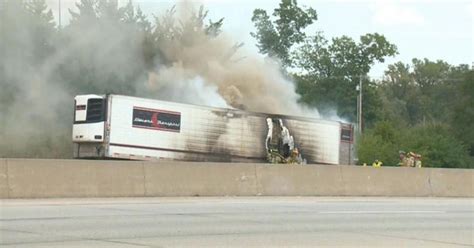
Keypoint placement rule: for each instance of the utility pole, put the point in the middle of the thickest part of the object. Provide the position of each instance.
(359, 115)
(359, 106)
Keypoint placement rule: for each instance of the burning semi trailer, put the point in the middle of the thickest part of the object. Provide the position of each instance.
(124, 127)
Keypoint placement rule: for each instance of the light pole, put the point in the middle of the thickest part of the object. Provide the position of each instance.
(360, 104)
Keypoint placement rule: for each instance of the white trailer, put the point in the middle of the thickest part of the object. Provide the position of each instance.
(124, 127)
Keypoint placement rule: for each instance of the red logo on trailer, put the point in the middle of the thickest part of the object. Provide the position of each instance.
(156, 119)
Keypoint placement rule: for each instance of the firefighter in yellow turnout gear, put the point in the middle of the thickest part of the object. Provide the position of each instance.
(415, 159)
(410, 160)
(377, 164)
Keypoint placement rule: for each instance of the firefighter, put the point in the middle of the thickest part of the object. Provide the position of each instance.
(411, 159)
(417, 160)
(377, 163)
(418, 163)
(294, 157)
(403, 159)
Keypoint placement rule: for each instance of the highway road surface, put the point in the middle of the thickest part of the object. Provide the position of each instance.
(238, 222)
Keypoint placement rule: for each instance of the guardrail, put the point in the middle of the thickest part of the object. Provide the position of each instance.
(45, 178)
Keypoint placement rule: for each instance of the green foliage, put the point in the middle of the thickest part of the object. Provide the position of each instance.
(381, 142)
(276, 38)
(437, 146)
(424, 92)
(434, 142)
(463, 111)
(431, 102)
(332, 71)
(329, 70)
(343, 57)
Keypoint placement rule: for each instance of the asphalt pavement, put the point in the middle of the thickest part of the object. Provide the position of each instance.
(238, 222)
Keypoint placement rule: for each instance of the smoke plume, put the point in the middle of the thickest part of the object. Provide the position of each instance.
(242, 80)
(42, 68)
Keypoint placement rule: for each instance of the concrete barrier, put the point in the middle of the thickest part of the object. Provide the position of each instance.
(385, 181)
(199, 179)
(4, 190)
(450, 182)
(74, 178)
(293, 180)
(25, 178)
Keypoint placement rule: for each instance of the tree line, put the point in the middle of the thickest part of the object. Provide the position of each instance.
(425, 106)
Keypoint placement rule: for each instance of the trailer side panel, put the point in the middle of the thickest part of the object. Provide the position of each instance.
(149, 129)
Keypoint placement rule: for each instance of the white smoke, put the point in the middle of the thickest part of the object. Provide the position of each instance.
(172, 84)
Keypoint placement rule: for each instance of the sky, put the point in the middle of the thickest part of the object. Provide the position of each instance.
(433, 29)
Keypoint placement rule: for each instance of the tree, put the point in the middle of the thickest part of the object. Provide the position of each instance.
(398, 91)
(29, 119)
(43, 26)
(11, 46)
(434, 142)
(343, 57)
(115, 44)
(430, 102)
(26, 40)
(327, 71)
(379, 143)
(276, 38)
(423, 92)
(87, 11)
(332, 70)
(437, 145)
(463, 111)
